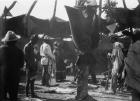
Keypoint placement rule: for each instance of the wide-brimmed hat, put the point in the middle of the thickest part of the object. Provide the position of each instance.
(11, 36)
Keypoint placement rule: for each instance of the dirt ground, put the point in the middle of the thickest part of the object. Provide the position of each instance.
(66, 91)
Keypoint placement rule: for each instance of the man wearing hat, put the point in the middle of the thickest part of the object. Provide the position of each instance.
(31, 59)
(11, 61)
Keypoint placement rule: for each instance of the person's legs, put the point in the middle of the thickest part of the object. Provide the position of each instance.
(27, 87)
(3, 93)
(113, 85)
(43, 76)
(76, 73)
(93, 76)
(82, 89)
(27, 83)
(3, 86)
(32, 88)
(13, 90)
(92, 73)
(135, 95)
(47, 77)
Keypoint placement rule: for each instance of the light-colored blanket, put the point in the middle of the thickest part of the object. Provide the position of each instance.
(118, 58)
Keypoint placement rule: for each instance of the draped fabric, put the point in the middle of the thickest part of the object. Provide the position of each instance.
(46, 52)
(132, 66)
(48, 60)
(84, 27)
(118, 57)
(126, 17)
(35, 25)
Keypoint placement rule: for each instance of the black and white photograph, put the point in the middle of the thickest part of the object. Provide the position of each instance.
(69, 50)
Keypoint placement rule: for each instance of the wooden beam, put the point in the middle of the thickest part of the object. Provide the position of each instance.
(139, 2)
(54, 11)
(31, 8)
(124, 4)
(9, 8)
(53, 16)
(108, 1)
(3, 17)
(26, 19)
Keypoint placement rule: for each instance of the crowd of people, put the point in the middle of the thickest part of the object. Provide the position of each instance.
(123, 62)
(13, 60)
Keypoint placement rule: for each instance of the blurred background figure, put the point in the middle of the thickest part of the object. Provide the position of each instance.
(60, 65)
(48, 63)
(11, 62)
(31, 59)
(69, 67)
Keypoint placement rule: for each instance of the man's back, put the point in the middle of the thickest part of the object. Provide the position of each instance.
(29, 56)
(11, 58)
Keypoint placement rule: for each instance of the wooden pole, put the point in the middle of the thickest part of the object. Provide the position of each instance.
(9, 8)
(53, 17)
(31, 8)
(124, 4)
(100, 12)
(54, 11)
(139, 2)
(3, 17)
(100, 8)
(26, 19)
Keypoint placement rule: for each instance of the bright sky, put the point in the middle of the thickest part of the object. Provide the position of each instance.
(44, 8)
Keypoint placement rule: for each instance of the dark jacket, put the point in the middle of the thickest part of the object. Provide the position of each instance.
(12, 58)
(11, 61)
(31, 58)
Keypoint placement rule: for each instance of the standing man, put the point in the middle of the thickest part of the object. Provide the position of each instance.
(31, 59)
(48, 62)
(11, 61)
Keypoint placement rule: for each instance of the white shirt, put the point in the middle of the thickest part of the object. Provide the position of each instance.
(46, 52)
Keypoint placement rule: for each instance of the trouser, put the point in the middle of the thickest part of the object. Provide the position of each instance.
(92, 73)
(30, 83)
(45, 76)
(10, 87)
(135, 95)
(76, 73)
(82, 89)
